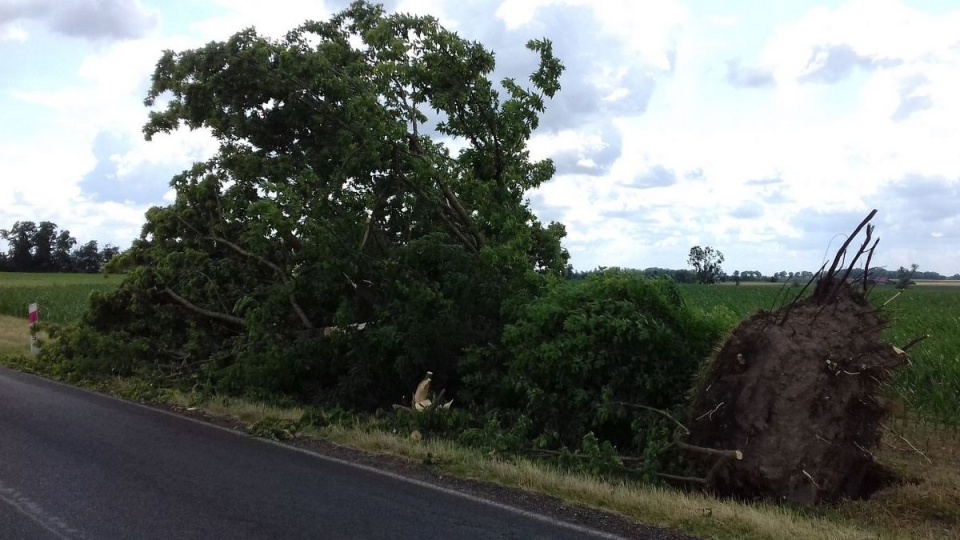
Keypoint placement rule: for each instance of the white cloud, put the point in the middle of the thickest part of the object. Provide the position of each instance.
(834, 149)
(13, 32)
(647, 30)
(274, 20)
(48, 158)
(763, 134)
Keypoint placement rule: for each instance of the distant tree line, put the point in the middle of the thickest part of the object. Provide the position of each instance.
(879, 275)
(42, 247)
(680, 276)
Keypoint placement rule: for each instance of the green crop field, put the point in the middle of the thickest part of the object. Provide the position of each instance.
(61, 297)
(931, 385)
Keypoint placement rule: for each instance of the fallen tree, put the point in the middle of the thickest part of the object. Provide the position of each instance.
(334, 204)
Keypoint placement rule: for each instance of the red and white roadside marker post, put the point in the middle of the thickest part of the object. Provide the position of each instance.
(34, 319)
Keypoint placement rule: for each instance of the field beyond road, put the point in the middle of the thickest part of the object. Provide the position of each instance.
(62, 297)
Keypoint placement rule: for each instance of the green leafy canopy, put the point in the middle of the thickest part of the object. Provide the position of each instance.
(332, 201)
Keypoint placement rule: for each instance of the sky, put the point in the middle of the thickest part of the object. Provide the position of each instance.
(767, 133)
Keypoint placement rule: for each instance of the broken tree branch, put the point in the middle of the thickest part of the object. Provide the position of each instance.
(733, 454)
(910, 444)
(693, 479)
(856, 257)
(205, 312)
(658, 411)
(914, 341)
(892, 298)
(866, 265)
(273, 266)
(451, 226)
(453, 202)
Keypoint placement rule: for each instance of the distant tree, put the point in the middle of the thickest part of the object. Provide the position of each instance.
(61, 252)
(905, 277)
(108, 252)
(706, 263)
(87, 258)
(736, 277)
(20, 239)
(44, 244)
(42, 247)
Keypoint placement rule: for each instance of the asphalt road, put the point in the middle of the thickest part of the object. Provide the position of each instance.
(78, 465)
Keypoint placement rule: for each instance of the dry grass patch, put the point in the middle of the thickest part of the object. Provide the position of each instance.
(927, 505)
(246, 411)
(692, 513)
(15, 335)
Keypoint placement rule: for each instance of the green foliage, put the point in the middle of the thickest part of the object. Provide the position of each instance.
(331, 203)
(273, 428)
(580, 355)
(321, 417)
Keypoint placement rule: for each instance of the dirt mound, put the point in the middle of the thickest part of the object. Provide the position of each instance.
(797, 392)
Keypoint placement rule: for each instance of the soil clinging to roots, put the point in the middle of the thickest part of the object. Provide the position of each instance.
(797, 391)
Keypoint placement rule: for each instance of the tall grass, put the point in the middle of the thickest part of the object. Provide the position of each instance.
(930, 386)
(62, 298)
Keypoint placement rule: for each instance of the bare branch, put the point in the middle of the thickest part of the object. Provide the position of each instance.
(693, 479)
(734, 454)
(910, 444)
(914, 341)
(866, 265)
(827, 281)
(856, 257)
(658, 411)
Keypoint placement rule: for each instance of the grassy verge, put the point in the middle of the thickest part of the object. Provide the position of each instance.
(926, 508)
(14, 335)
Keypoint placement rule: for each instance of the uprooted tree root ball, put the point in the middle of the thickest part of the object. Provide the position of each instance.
(797, 391)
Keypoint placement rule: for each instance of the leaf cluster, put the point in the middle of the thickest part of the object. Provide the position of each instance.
(578, 356)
